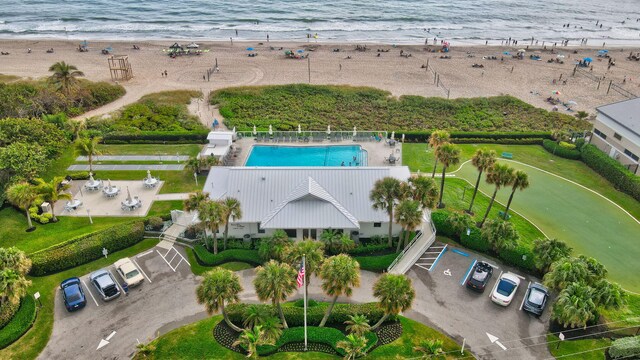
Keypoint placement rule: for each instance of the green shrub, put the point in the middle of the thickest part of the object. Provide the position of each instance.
(566, 145)
(376, 263)
(208, 259)
(310, 303)
(7, 311)
(86, 248)
(43, 218)
(79, 175)
(621, 178)
(324, 335)
(151, 137)
(155, 222)
(295, 315)
(369, 249)
(568, 153)
(514, 256)
(625, 348)
(20, 323)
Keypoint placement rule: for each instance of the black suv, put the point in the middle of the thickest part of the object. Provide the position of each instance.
(480, 277)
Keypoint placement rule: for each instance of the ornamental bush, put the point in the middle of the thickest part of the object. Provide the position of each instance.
(86, 248)
(621, 178)
(7, 310)
(562, 151)
(625, 347)
(324, 335)
(20, 323)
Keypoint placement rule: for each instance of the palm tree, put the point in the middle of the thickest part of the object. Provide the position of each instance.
(384, 195)
(353, 346)
(272, 329)
(88, 147)
(424, 190)
(358, 325)
(275, 281)
(250, 340)
(500, 235)
(336, 242)
(430, 349)
(75, 127)
(255, 315)
(520, 182)
(574, 306)
(23, 195)
(231, 210)
(460, 222)
(409, 216)
(195, 163)
(218, 287)
(448, 155)
(275, 246)
(53, 191)
(566, 271)
(483, 160)
(339, 274)
(548, 251)
(194, 200)
(608, 294)
(436, 139)
(13, 286)
(581, 115)
(395, 293)
(314, 256)
(211, 213)
(14, 258)
(64, 76)
(145, 350)
(498, 175)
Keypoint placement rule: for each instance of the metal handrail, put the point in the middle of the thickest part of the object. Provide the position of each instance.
(418, 236)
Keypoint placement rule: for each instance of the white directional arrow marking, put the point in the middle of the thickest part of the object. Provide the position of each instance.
(105, 342)
(494, 339)
(102, 344)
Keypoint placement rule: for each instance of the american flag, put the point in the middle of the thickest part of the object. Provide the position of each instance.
(301, 275)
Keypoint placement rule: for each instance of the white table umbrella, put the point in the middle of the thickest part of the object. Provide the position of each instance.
(402, 137)
(299, 129)
(255, 131)
(109, 183)
(128, 195)
(328, 129)
(354, 132)
(270, 130)
(148, 175)
(91, 178)
(393, 135)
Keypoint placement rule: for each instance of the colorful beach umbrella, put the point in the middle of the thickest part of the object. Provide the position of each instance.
(588, 59)
(249, 49)
(300, 51)
(555, 92)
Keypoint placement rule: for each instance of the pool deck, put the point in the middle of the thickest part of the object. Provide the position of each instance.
(378, 151)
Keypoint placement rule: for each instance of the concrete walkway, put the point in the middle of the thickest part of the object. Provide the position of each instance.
(171, 196)
(172, 167)
(135, 158)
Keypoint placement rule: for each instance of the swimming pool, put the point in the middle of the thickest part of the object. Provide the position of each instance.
(340, 155)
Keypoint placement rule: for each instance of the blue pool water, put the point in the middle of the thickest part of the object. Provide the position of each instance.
(306, 156)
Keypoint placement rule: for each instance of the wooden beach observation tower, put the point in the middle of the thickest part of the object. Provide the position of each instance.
(120, 68)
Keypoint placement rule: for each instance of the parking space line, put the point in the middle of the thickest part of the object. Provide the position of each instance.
(142, 271)
(144, 253)
(433, 266)
(524, 297)
(521, 277)
(174, 256)
(464, 279)
(89, 291)
(165, 260)
(459, 252)
(421, 267)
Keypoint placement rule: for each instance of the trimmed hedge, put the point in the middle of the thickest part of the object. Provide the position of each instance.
(369, 249)
(554, 148)
(476, 242)
(206, 258)
(155, 137)
(621, 178)
(21, 322)
(376, 263)
(7, 311)
(625, 348)
(295, 315)
(481, 137)
(324, 335)
(86, 248)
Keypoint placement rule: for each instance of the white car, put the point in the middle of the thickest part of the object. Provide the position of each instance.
(129, 272)
(505, 289)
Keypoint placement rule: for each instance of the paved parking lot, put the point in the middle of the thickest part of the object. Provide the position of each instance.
(164, 301)
(444, 302)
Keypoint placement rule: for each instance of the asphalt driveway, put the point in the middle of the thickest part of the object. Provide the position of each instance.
(443, 302)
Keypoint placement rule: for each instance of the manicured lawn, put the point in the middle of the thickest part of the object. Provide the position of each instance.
(14, 224)
(59, 166)
(626, 317)
(195, 341)
(174, 181)
(575, 346)
(587, 222)
(132, 162)
(159, 208)
(151, 149)
(35, 340)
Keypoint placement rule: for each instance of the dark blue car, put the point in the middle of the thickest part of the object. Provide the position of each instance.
(72, 294)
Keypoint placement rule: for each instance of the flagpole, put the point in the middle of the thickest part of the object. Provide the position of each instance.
(304, 290)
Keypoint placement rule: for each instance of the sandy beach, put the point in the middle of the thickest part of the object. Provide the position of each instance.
(529, 80)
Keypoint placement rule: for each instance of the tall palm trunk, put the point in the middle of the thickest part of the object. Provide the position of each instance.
(90, 163)
(406, 238)
(282, 319)
(215, 241)
(495, 192)
(390, 226)
(29, 218)
(328, 312)
(435, 164)
(509, 204)
(226, 234)
(440, 204)
(206, 237)
(475, 192)
(382, 319)
(227, 320)
(400, 241)
(53, 211)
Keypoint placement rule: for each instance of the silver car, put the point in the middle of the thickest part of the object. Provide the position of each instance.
(104, 284)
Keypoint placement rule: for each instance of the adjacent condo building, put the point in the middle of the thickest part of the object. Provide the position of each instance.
(616, 131)
(304, 201)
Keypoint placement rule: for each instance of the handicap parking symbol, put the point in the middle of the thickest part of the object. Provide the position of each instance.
(447, 272)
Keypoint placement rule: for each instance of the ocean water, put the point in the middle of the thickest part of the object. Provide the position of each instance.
(393, 21)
